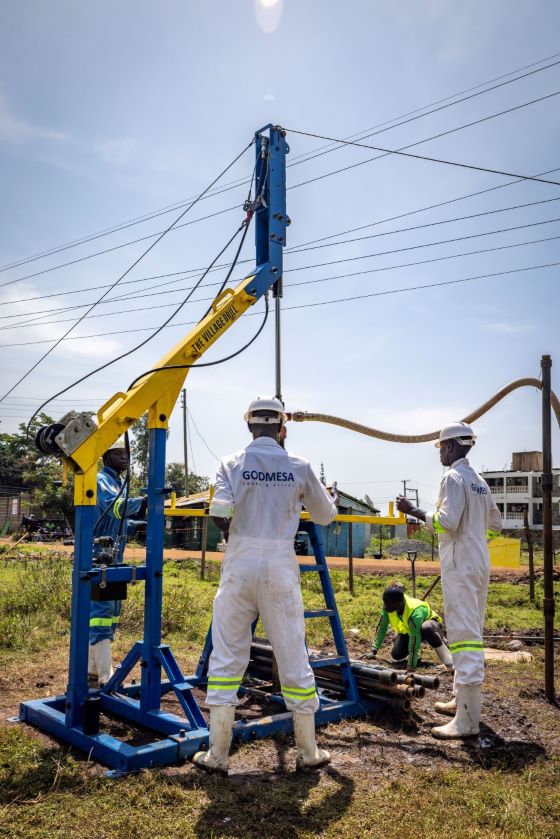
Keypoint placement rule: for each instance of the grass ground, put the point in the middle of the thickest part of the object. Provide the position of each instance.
(388, 777)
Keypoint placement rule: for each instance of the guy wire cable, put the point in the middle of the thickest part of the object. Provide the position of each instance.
(128, 270)
(303, 158)
(427, 158)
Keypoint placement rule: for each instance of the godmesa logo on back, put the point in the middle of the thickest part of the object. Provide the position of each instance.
(253, 475)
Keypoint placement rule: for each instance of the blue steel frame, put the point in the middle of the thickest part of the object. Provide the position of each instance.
(140, 704)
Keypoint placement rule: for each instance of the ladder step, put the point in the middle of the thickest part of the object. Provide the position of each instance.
(182, 687)
(327, 662)
(320, 568)
(319, 613)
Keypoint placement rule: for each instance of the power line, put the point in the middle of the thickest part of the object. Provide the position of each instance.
(322, 303)
(299, 268)
(300, 249)
(128, 270)
(179, 274)
(380, 128)
(149, 338)
(191, 418)
(386, 153)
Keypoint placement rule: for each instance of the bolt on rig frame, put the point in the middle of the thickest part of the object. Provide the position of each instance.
(74, 717)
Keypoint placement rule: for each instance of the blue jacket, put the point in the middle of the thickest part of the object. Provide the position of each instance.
(104, 614)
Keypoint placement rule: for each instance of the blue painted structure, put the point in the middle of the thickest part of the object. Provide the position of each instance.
(74, 717)
(335, 535)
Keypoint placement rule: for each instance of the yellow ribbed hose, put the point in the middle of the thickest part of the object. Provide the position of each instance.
(304, 416)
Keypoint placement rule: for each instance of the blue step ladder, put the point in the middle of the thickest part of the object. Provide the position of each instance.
(330, 709)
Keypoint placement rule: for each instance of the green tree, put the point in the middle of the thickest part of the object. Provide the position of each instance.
(139, 446)
(24, 467)
(175, 477)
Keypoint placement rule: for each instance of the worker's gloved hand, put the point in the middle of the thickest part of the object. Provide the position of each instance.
(143, 508)
(404, 505)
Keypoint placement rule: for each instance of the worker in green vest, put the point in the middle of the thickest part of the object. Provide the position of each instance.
(414, 621)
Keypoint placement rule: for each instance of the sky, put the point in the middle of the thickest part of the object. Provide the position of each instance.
(112, 111)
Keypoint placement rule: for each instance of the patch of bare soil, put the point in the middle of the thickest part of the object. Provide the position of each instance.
(519, 725)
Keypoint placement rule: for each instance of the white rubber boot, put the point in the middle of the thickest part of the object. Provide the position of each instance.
(91, 665)
(444, 656)
(466, 721)
(448, 708)
(103, 661)
(216, 759)
(309, 755)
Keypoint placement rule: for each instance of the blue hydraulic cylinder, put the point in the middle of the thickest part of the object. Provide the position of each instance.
(77, 690)
(270, 187)
(150, 695)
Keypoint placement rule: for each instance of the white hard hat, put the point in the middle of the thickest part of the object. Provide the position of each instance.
(457, 431)
(265, 403)
(118, 444)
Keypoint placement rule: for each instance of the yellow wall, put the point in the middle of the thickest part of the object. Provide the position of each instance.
(505, 552)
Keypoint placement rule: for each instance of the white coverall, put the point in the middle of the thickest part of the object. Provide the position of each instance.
(465, 511)
(263, 488)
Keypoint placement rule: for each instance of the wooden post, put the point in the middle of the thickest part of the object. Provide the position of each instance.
(203, 543)
(548, 599)
(350, 558)
(529, 539)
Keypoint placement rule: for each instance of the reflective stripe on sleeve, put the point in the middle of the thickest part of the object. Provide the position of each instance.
(117, 508)
(464, 646)
(436, 525)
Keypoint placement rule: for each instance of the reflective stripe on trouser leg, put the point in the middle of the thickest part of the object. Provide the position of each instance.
(281, 609)
(464, 595)
(234, 611)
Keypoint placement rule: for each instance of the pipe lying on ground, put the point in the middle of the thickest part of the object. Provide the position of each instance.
(375, 682)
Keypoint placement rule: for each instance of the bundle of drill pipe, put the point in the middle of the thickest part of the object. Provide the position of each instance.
(375, 682)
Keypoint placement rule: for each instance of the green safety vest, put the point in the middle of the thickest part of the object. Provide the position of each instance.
(400, 623)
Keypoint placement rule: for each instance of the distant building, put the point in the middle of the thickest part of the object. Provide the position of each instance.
(186, 531)
(519, 489)
(335, 536)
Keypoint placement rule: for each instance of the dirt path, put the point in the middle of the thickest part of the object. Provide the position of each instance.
(368, 565)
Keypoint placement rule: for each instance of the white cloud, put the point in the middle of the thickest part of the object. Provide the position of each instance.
(17, 130)
(504, 328)
(118, 152)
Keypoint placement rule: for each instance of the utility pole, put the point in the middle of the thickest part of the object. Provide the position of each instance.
(185, 452)
(404, 483)
(548, 599)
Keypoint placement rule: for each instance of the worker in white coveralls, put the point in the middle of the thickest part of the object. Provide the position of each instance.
(258, 499)
(465, 512)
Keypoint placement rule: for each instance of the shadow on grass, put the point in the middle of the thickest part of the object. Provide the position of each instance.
(398, 740)
(280, 803)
